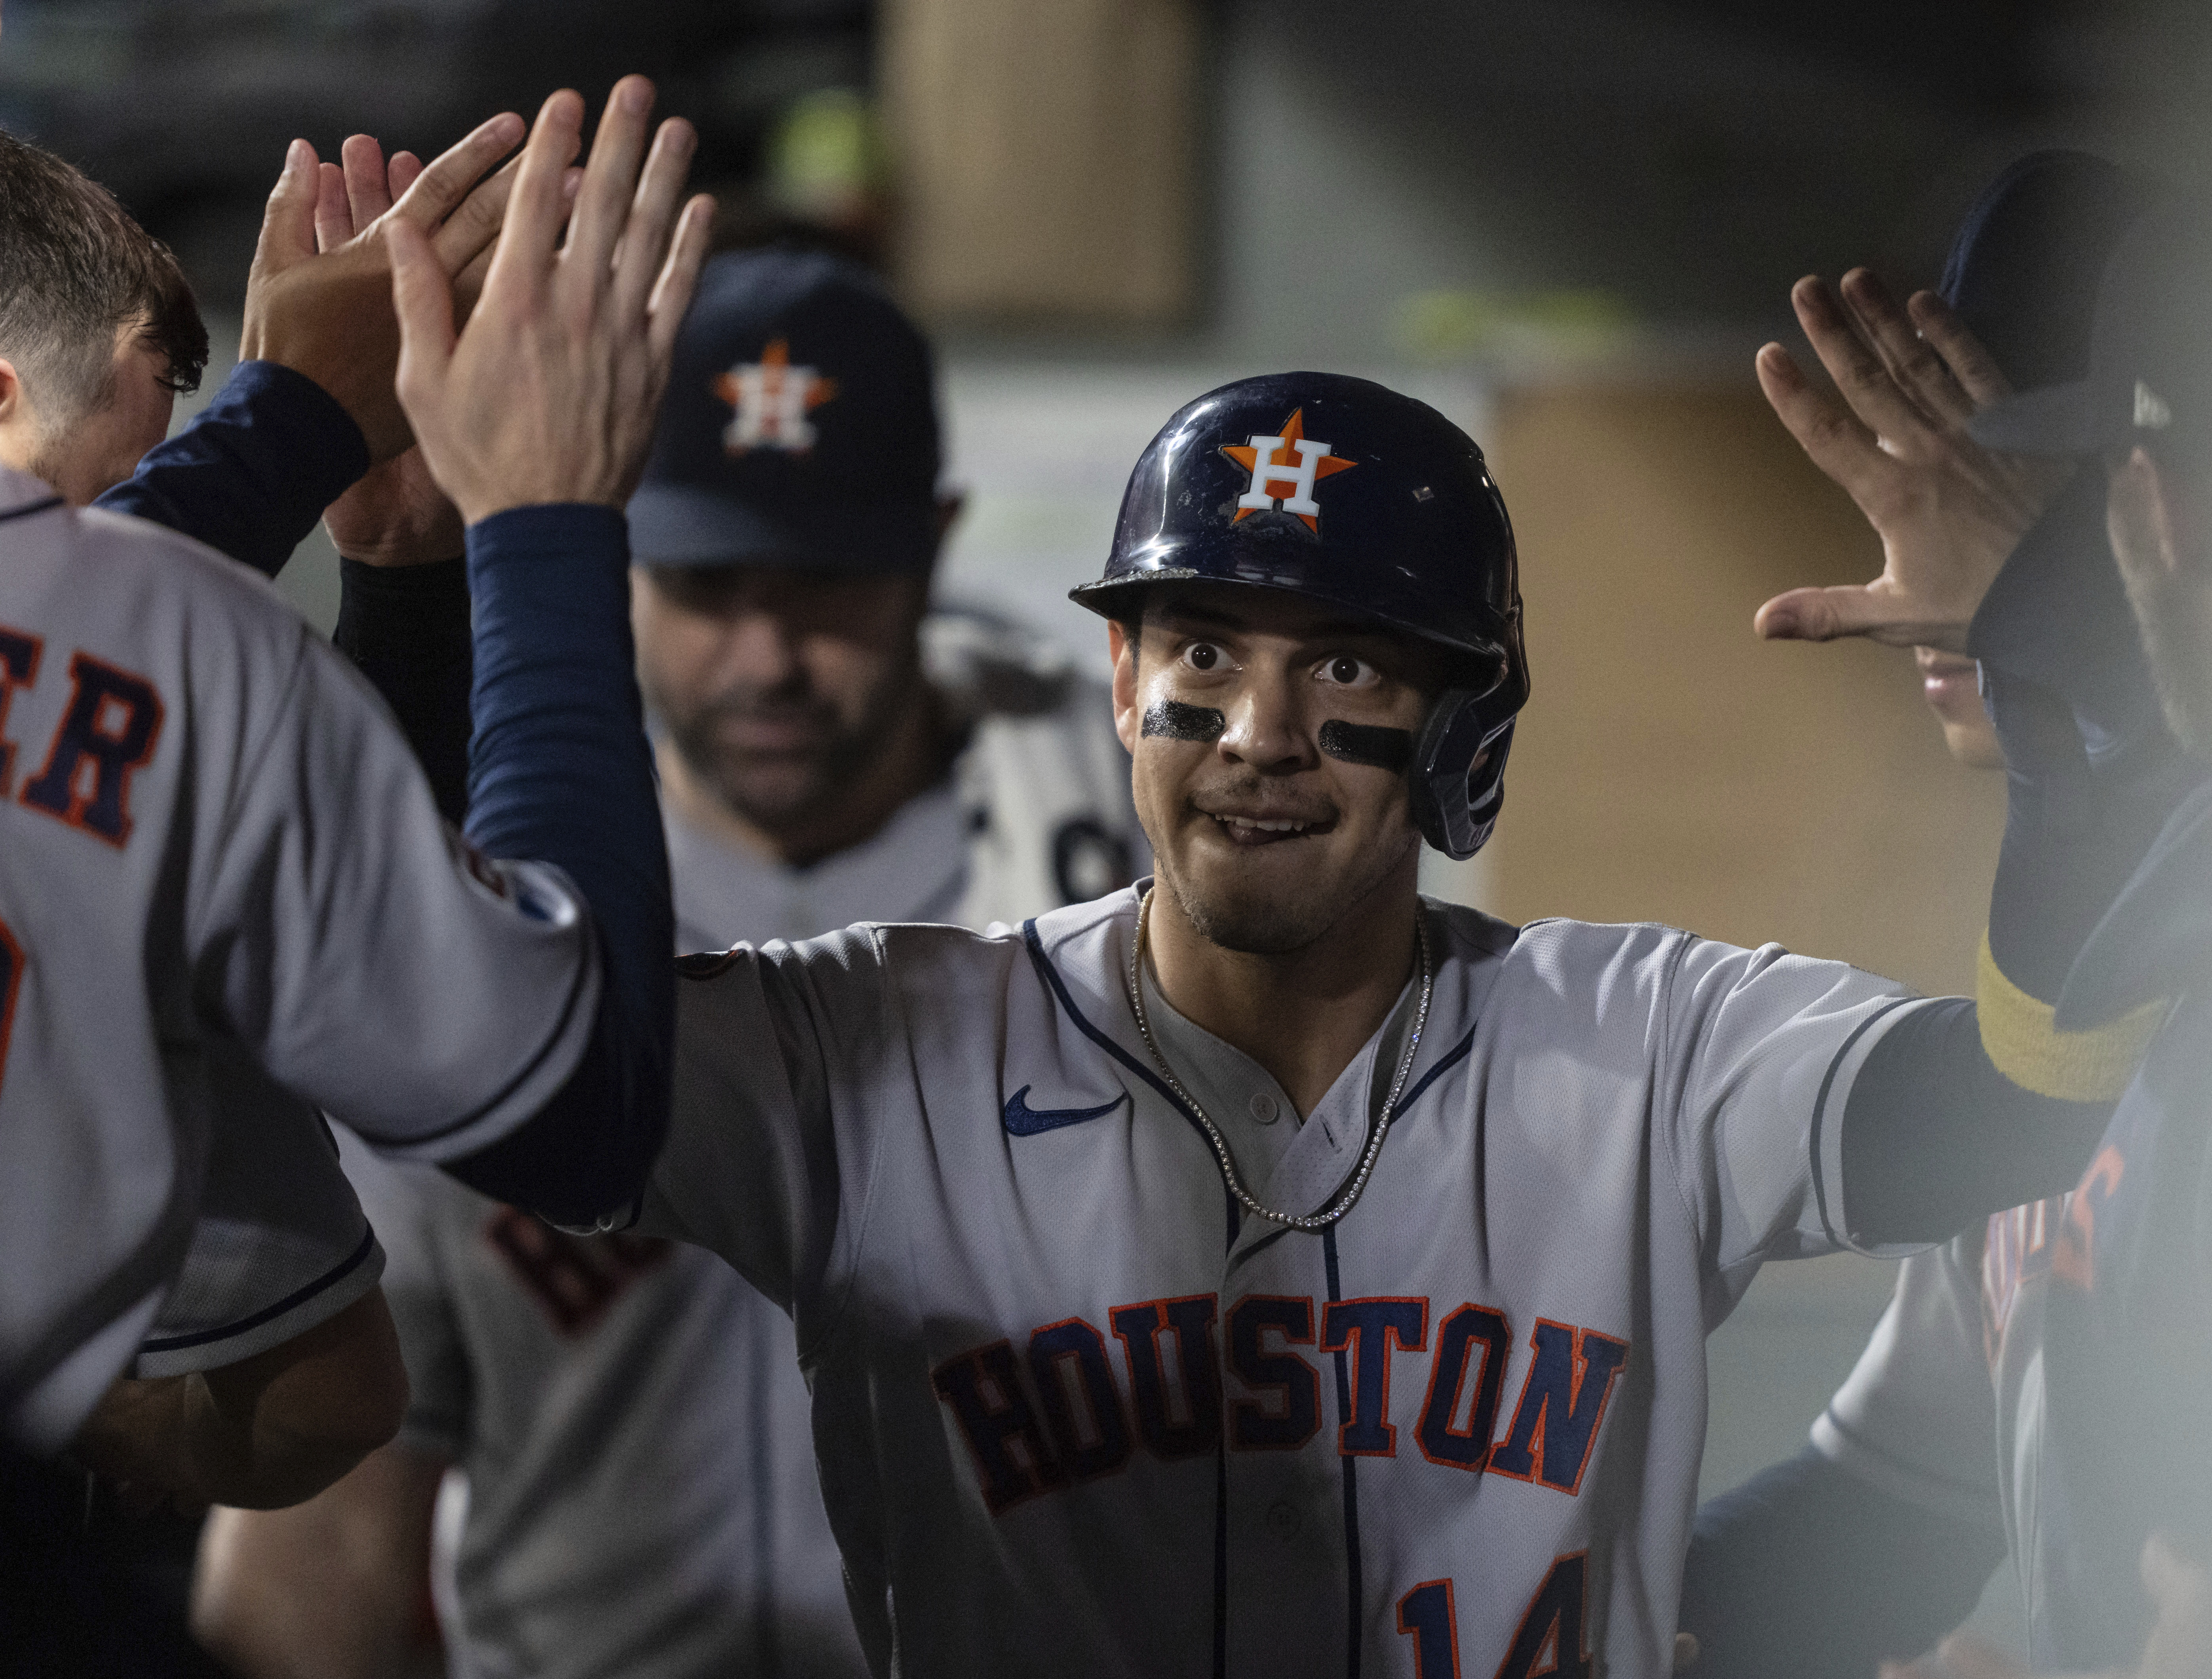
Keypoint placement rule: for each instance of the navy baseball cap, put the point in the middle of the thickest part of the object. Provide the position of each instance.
(800, 428)
(2149, 377)
(2024, 266)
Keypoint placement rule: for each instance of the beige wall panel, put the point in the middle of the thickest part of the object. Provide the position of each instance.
(1671, 766)
(1044, 157)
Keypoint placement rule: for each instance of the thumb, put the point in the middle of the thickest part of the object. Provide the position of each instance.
(423, 298)
(288, 225)
(1828, 614)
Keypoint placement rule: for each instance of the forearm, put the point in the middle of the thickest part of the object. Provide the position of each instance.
(560, 771)
(407, 629)
(269, 1430)
(1808, 1571)
(251, 474)
(337, 1588)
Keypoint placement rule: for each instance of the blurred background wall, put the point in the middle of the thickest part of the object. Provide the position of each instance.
(1568, 223)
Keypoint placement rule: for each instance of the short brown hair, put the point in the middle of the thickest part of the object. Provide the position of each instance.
(74, 268)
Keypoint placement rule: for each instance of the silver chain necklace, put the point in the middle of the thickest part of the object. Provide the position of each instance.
(1343, 1203)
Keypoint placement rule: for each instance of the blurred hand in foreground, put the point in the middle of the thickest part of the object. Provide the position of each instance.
(551, 392)
(328, 314)
(2180, 1646)
(1948, 511)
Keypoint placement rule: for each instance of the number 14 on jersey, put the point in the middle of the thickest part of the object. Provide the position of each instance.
(1549, 1645)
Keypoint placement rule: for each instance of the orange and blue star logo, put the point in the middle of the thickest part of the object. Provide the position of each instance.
(771, 402)
(1308, 464)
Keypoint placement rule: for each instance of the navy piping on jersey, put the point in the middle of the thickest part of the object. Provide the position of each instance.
(1352, 1585)
(1821, 1114)
(1052, 979)
(330, 1279)
(1451, 1058)
(560, 1030)
(30, 507)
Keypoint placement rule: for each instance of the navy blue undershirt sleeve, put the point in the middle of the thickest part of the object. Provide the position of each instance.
(1807, 1570)
(560, 770)
(251, 474)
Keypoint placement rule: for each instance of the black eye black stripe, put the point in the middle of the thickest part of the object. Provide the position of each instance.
(1178, 721)
(1362, 743)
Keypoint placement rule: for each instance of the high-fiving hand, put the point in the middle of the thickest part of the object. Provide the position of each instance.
(1948, 511)
(328, 314)
(551, 392)
(396, 516)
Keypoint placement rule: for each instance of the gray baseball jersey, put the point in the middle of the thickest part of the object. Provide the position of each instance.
(1918, 1415)
(210, 829)
(1075, 1414)
(629, 1412)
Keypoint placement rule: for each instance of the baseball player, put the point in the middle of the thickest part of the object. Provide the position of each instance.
(2028, 1382)
(1262, 1268)
(1879, 1537)
(205, 808)
(827, 753)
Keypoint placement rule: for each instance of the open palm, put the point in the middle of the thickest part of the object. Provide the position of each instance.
(1948, 511)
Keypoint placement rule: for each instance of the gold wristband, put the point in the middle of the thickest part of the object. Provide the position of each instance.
(2019, 1033)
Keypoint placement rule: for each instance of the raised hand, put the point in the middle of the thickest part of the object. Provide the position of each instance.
(1948, 511)
(551, 392)
(328, 314)
(396, 516)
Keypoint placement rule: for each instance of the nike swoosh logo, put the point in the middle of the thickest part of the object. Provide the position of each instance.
(1024, 1121)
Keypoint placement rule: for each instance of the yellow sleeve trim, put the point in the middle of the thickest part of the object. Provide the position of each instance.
(2017, 1032)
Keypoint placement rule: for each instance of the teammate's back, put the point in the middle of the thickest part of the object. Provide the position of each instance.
(205, 812)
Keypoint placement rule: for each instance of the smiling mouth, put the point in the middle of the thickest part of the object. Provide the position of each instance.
(1264, 830)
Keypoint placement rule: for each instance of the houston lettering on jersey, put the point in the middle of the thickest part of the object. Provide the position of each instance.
(1063, 1409)
(107, 730)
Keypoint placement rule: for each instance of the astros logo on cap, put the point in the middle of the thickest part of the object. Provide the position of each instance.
(1262, 458)
(772, 399)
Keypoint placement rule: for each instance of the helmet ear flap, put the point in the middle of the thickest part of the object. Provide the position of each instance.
(1455, 801)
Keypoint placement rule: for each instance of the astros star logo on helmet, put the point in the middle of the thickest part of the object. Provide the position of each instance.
(1272, 473)
(772, 401)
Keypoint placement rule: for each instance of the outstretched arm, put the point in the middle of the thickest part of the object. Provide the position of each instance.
(534, 419)
(268, 1431)
(1968, 1108)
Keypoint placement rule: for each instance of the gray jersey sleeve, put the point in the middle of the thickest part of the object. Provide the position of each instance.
(408, 1204)
(771, 1140)
(281, 1243)
(364, 954)
(1757, 1053)
(1918, 1417)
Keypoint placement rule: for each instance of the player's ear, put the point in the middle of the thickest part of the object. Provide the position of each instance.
(12, 400)
(1121, 641)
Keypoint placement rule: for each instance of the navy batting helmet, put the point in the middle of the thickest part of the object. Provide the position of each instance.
(1344, 491)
